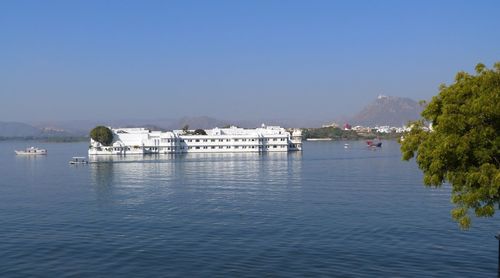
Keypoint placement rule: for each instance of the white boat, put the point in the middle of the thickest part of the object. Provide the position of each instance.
(78, 160)
(31, 151)
(319, 139)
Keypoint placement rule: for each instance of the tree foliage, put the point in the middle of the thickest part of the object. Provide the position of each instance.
(200, 131)
(330, 132)
(102, 135)
(463, 146)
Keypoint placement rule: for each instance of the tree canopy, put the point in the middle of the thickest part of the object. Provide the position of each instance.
(102, 135)
(200, 131)
(462, 147)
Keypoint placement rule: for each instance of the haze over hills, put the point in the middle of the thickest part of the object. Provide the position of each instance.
(387, 110)
(17, 130)
(82, 127)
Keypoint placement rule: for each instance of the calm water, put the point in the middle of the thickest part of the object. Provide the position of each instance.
(326, 212)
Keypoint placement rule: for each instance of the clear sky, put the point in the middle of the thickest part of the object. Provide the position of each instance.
(66, 60)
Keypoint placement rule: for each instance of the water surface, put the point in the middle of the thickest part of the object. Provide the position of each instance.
(327, 211)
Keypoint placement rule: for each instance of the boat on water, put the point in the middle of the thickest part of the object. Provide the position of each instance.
(78, 160)
(319, 139)
(31, 151)
(374, 144)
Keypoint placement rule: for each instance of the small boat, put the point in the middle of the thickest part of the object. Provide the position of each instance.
(319, 139)
(31, 151)
(374, 144)
(346, 146)
(78, 160)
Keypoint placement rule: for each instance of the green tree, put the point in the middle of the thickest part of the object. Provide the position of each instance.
(462, 147)
(102, 135)
(199, 131)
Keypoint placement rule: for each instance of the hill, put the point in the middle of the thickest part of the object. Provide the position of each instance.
(15, 129)
(82, 127)
(388, 110)
(23, 130)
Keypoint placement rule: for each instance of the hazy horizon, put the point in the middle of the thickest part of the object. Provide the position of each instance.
(321, 60)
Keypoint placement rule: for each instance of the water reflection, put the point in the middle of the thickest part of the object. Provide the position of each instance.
(30, 160)
(102, 176)
(31, 163)
(198, 171)
(326, 212)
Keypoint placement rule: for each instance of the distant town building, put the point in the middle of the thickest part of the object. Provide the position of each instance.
(390, 129)
(362, 129)
(334, 125)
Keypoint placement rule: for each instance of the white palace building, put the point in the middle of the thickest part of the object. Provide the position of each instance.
(233, 139)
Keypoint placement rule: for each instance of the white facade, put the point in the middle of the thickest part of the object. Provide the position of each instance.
(233, 139)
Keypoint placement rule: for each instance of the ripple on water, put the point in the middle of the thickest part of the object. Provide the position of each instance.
(326, 212)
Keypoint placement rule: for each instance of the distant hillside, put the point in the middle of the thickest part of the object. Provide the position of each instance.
(20, 130)
(203, 122)
(83, 127)
(15, 129)
(387, 110)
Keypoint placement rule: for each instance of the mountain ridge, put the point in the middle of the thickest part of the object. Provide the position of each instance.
(388, 110)
(20, 130)
(384, 110)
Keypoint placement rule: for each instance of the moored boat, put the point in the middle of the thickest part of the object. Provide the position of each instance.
(374, 144)
(78, 160)
(31, 151)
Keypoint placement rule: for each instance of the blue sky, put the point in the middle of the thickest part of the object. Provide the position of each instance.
(87, 60)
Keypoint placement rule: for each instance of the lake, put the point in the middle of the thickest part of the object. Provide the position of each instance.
(328, 211)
